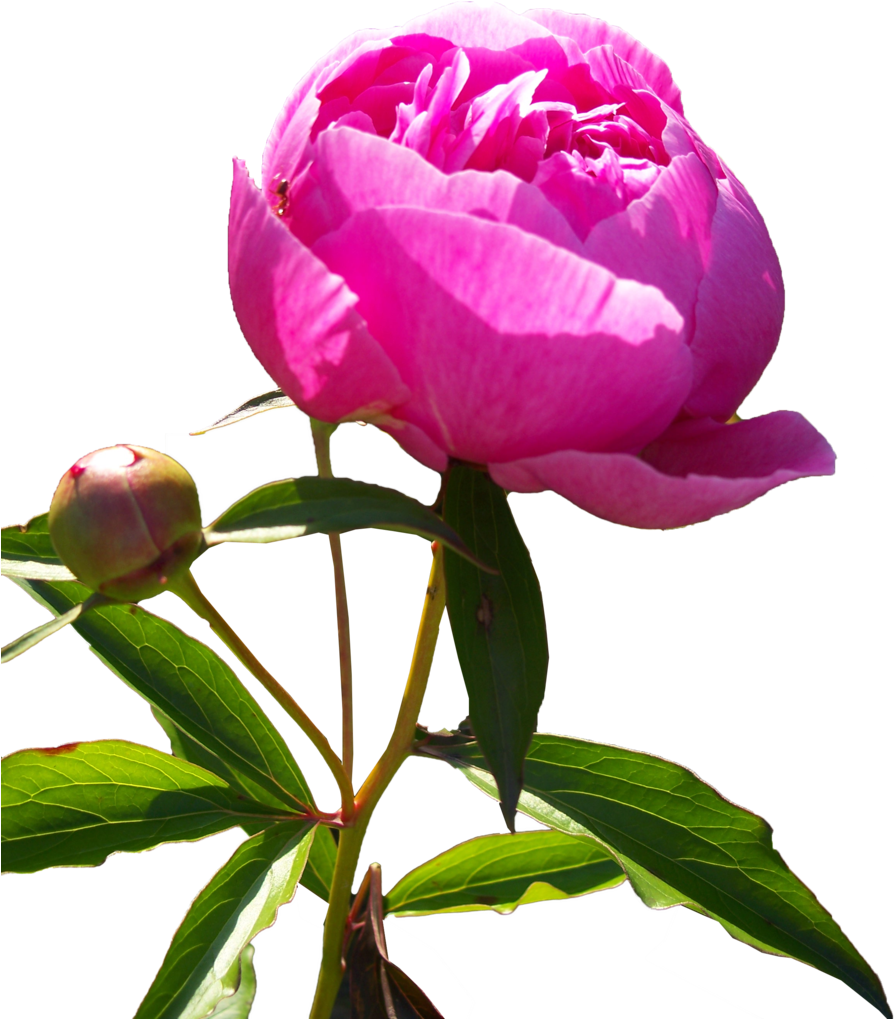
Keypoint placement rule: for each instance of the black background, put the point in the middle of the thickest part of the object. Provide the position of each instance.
(731, 647)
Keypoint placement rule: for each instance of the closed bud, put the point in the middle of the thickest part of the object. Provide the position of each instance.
(125, 520)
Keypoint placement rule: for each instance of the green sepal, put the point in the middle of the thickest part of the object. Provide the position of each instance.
(273, 400)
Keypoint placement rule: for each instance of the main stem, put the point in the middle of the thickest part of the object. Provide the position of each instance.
(322, 432)
(398, 749)
(189, 591)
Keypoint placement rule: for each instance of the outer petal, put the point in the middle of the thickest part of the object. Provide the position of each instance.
(590, 32)
(740, 306)
(354, 171)
(287, 139)
(696, 470)
(511, 346)
(299, 318)
(663, 238)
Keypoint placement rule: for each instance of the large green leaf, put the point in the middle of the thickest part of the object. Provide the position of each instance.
(71, 806)
(317, 876)
(27, 551)
(238, 1005)
(202, 966)
(498, 627)
(273, 400)
(189, 683)
(501, 872)
(681, 842)
(314, 505)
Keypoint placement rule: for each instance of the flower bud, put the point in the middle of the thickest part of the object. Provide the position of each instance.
(125, 520)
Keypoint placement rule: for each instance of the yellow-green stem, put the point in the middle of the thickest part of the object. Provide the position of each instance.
(189, 591)
(399, 746)
(322, 432)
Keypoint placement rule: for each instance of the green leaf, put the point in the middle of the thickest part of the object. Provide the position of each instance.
(39, 633)
(202, 965)
(190, 684)
(501, 872)
(314, 505)
(318, 873)
(680, 842)
(256, 405)
(27, 551)
(498, 627)
(320, 869)
(238, 1005)
(71, 806)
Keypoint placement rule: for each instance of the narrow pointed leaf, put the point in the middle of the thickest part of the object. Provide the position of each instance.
(202, 966)
(318, 873)
(27, 551)
(681, 843)
(256, 405)
(71, 806)
(39, 633)
(501, 872)
(238, 1005)
(498, 627)
(189, 683)
(314, 505)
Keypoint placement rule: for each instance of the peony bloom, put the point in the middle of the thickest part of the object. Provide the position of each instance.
(498, 238)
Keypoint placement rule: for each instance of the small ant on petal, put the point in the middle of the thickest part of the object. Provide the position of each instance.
(282, 191)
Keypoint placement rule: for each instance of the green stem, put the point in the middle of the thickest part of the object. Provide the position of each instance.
(322, 431)
(398, 749)
(187, 589)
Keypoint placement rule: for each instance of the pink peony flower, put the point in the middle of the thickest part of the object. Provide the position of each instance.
(498, 238)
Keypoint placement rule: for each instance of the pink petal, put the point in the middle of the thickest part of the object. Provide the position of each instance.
(663, 238)
(487, 112)
(511, 346)
(471, 25)
(299, 318)
(589, 32)
(740, 306)
(415, 442)
(289, 135)
(355, 171)
(695, 471)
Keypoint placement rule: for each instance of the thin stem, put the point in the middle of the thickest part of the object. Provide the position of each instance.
(398, 749)
(404, 734)
(322, 432)
(188, 590)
